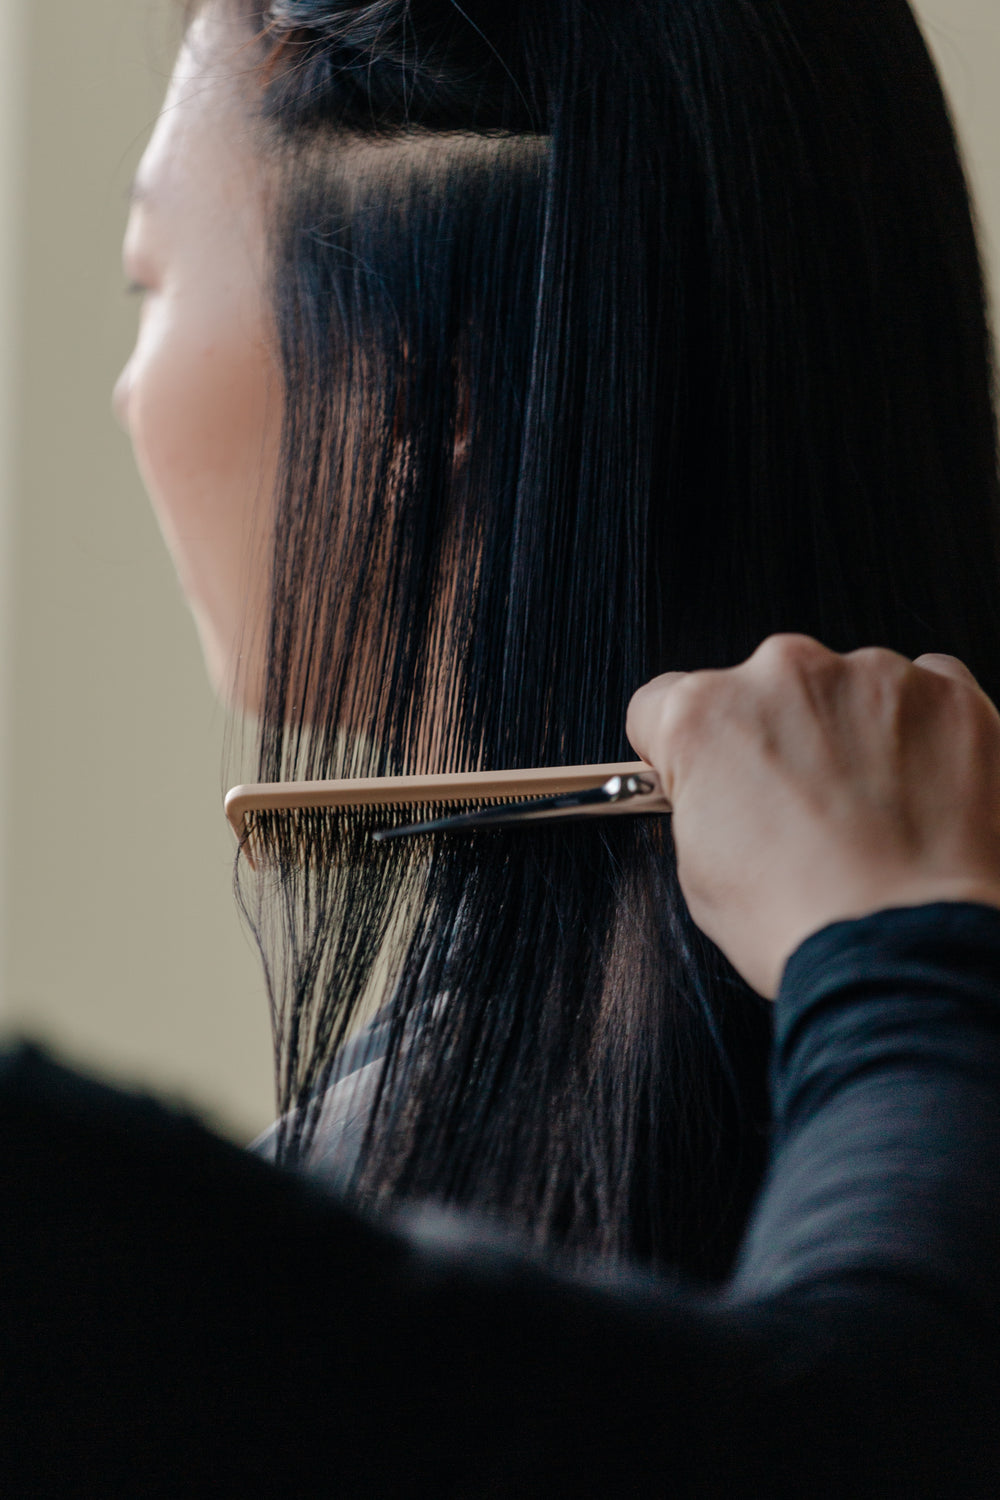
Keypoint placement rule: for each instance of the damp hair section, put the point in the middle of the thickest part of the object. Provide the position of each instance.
(614, 339)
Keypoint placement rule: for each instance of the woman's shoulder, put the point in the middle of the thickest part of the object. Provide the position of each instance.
(347, 1101)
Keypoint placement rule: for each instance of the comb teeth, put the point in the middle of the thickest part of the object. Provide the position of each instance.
(339, 834)
(346, 834)
(374, 815)
(455, 793)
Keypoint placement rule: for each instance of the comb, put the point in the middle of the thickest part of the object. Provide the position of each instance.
(499, 797)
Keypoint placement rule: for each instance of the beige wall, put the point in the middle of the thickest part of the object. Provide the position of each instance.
(118, 937)
(11, 153)
(965, 38)
(122, 940)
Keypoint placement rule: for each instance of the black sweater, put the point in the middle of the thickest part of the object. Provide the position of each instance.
(179, 1318)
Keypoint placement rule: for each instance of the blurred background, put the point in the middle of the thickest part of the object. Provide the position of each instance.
(119, 940)
(120, 943)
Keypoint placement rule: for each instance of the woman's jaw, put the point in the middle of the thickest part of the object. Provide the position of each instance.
(201, 394)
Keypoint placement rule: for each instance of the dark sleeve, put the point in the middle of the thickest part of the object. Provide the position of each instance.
(178, 1318)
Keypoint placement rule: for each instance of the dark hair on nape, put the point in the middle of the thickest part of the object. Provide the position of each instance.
(615, 337)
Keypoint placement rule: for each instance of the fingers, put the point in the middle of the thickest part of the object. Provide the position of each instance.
(946, 666)
(645, 713)
(655, 712)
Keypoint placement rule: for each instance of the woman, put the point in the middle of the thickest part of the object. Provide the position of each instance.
(534, 424)
(557, 345)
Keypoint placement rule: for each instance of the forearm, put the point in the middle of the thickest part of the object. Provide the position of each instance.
(886, 1081)
(857, 1350)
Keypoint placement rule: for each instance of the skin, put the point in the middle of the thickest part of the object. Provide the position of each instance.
(811, 788)
(199, 396)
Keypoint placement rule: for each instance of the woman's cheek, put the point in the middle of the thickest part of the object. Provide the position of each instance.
(204, 420)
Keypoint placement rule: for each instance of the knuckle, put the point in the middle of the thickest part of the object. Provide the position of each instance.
(877, 672)
(966, 706)
(788, 651)
(876, 658)
(784, 661)
(954, 701)
(970, 722)
(683, 710)
(943, 659)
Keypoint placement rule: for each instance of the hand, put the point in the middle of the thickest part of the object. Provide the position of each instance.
(810, 788)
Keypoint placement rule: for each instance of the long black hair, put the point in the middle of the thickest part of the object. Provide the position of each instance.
(616, 335)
